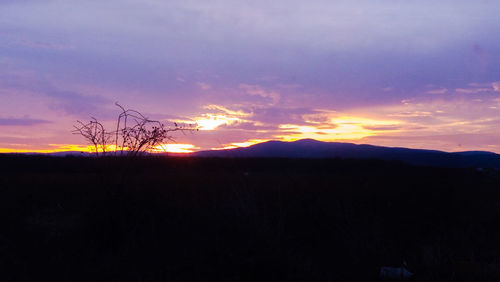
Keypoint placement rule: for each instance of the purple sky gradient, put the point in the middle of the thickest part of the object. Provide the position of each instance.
(410, 73)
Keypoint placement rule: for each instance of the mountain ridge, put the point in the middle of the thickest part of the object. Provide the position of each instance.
(314, 149)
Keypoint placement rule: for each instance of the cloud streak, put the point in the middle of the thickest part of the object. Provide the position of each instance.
(22, 121)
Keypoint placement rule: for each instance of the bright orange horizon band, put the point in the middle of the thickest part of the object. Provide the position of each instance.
(167, 148)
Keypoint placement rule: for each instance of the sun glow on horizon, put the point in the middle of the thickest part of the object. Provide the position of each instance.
(57, 149)
(175, 148)
(223, 116)
(213, 121)
(338, 128)
(244, 144)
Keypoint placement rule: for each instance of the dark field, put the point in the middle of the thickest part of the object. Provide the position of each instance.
(185, 219)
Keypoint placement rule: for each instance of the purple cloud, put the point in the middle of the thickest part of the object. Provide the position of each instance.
(74, 103)
(22, 121)
(278, 115)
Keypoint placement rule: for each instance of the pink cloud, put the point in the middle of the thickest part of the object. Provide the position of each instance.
(496, 86)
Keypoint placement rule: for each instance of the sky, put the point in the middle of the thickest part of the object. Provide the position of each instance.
(417, 74)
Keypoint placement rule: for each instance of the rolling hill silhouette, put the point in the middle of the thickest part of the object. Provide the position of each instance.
(309, 148)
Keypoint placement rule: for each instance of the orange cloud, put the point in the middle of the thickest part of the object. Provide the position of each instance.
(346, 128)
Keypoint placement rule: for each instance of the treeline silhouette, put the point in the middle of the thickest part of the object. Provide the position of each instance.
(204, 219)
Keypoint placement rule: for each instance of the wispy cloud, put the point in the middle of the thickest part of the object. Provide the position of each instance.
(204, 86)
(382, 127)
(43, 45)
(59, 98)
(496, 86)
(257, 90)
(25, 121)
(437, 91)
(74, 103)
(473, 90)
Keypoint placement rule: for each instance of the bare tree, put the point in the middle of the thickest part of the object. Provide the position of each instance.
(134, 134)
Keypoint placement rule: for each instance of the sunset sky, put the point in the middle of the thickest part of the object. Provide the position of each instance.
(417, 74)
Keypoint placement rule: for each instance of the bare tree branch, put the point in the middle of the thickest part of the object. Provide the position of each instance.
(94, 133)
(134, 133)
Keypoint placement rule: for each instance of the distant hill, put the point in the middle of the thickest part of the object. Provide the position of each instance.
(309, 148)
(70, 153)
(55, 154)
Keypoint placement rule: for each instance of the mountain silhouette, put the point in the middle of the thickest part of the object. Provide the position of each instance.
(309, 148)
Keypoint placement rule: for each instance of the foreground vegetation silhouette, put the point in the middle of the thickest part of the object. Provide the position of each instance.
(204, 219)
(134, 134)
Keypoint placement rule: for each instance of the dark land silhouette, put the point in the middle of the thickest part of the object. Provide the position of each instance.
(310, 148)
(244, 219)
